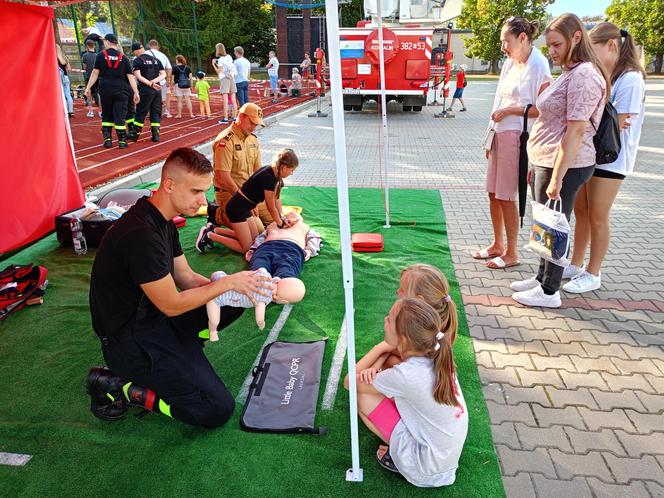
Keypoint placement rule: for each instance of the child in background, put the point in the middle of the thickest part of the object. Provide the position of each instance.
(415, 406)
(203, 91)
(460, 85)
(296, 83)
(283, 89)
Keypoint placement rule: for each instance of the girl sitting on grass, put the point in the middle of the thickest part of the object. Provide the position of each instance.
(264, 185)
(415, 406)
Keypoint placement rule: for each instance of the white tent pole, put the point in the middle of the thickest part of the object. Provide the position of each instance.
(332, 17)
(383, 107)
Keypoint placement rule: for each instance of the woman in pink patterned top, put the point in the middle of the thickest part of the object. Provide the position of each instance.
(561, 149)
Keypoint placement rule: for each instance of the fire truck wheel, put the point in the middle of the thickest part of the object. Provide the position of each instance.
(357, 107)
(407, 108)
(348, 107)
(417, 108)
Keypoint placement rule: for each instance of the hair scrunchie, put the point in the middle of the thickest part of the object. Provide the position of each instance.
(439, 336)
(447, 299)
(624, 33)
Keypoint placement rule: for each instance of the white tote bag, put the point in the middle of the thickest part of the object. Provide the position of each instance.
(550, 232)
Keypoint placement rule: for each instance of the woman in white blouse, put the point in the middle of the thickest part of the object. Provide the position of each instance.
(524, 76)
(616, 49)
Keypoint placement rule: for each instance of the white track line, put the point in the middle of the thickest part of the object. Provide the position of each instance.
(14, 459)
(170, 127)
(335, 369)
(147, 148)
(157, 145)
(272, 336)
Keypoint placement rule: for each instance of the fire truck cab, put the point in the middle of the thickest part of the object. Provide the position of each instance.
(408, 27)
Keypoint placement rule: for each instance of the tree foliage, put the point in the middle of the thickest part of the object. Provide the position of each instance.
(485, 18)
(644, 19)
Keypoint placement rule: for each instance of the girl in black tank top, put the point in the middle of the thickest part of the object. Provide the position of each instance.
(264, 185)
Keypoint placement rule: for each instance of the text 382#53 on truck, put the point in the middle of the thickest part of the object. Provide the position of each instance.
(407, 57)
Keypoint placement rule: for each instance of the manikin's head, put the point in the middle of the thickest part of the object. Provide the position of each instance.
(289, 291)
(293, 217)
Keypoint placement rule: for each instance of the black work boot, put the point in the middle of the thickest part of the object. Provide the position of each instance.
(133, 132)
(122, 139)
(155, 133)
(106, 397)
(107, 132)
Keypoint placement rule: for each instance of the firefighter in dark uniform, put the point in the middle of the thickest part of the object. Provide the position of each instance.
(236, 157)
(113, 70)
(148, 72)
(148, 307)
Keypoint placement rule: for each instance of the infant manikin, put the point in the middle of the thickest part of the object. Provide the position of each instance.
(288, 291)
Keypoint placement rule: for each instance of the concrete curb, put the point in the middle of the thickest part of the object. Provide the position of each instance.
(151, 173)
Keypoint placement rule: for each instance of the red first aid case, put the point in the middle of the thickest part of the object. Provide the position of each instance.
(179, 221)
(367, 242)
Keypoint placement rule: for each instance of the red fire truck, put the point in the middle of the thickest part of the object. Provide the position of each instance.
(407, 56)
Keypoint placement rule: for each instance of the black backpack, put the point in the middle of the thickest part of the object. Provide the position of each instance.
(183, 79)
(607, 136)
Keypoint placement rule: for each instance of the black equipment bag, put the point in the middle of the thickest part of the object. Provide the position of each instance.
(284, 392)
(607, 136)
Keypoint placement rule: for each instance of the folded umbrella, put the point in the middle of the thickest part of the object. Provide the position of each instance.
(523, 165)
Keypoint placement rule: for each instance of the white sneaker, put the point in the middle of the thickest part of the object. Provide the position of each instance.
(536, 297)
(524, 285)
(584, 282)
(90, 114)
(167, 115)
(572, 271)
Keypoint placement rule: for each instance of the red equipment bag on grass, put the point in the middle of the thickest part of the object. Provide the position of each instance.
(19, 284)
(367, 242)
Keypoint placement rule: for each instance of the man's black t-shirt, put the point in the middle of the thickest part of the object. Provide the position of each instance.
(148, 65)
(262, 179)
(139, 248)
(113, 66)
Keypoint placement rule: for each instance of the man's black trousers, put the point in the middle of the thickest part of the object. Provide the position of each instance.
(150, 103)
(168, 358)
(114, 101)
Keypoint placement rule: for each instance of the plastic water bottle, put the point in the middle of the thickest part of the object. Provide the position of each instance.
(77, 237)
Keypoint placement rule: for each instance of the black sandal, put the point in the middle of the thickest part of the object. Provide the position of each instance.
(387, 463)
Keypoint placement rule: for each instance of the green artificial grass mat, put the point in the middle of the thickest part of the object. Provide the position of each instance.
(46, 351)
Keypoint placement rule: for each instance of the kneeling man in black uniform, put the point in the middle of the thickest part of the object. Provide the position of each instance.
(148, 307)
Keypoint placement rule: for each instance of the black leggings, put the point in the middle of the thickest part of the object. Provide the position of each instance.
(168, 358)
(550, 274)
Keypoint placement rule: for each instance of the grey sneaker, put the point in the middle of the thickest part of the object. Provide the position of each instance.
(572, 271)
(584, 282)
(524, 285)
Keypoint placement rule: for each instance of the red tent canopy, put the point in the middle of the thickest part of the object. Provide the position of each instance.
(37, 167)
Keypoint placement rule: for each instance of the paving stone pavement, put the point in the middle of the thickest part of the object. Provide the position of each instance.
(575, 395)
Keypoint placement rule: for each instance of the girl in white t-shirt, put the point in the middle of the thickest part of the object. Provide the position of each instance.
(524, 76)
(617, 51)
(415, 406)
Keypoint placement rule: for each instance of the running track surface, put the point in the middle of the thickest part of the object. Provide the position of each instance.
(97, 165)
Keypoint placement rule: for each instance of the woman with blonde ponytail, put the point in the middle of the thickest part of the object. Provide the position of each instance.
(616, 49)
(264, 185)
(415, 406)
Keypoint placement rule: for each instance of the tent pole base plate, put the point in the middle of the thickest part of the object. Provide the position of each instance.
(354, 477)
